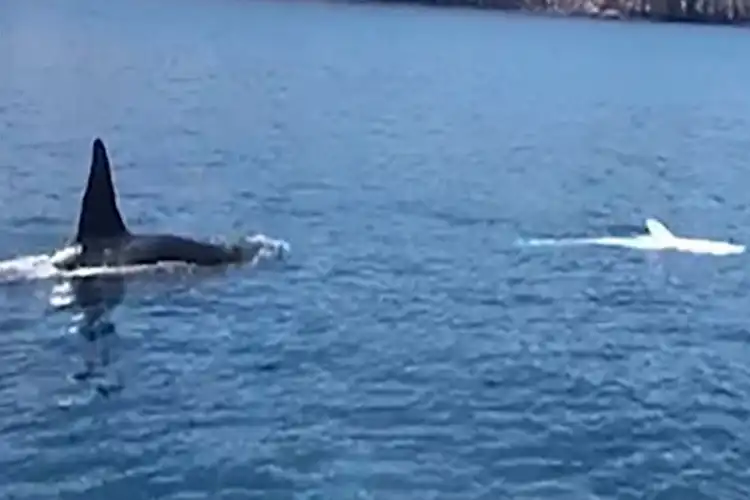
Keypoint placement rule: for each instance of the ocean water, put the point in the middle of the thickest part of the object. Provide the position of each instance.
(408, 347)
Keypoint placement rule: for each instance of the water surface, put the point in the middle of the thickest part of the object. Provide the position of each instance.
(407, 349)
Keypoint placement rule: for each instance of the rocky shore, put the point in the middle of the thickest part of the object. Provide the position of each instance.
(688, 11)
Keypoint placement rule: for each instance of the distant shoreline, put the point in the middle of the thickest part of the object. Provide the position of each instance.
(706, 12)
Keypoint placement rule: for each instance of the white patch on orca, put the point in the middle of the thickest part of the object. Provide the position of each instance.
(657, 238)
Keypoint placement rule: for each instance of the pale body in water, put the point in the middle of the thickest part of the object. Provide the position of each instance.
(658, 237)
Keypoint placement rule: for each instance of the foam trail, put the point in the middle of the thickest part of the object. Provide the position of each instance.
(647, 243)
(552, 242)
(27, 268)
(635, 242)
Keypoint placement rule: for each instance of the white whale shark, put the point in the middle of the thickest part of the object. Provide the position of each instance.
(657, 238)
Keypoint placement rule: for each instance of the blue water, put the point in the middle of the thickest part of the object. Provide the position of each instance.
(407, 348)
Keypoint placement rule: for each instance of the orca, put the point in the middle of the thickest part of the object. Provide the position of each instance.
(665, 239)
(656, 238)
(103, 239)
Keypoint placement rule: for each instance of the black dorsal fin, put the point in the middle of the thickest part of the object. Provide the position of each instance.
(99, 217)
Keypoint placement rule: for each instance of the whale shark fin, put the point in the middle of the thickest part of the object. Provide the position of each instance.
(658, 230)
(99, 216)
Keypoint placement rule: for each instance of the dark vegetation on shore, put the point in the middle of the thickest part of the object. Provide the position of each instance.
(688, 11)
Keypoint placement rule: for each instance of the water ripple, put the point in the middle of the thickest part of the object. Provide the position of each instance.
(407, 349)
